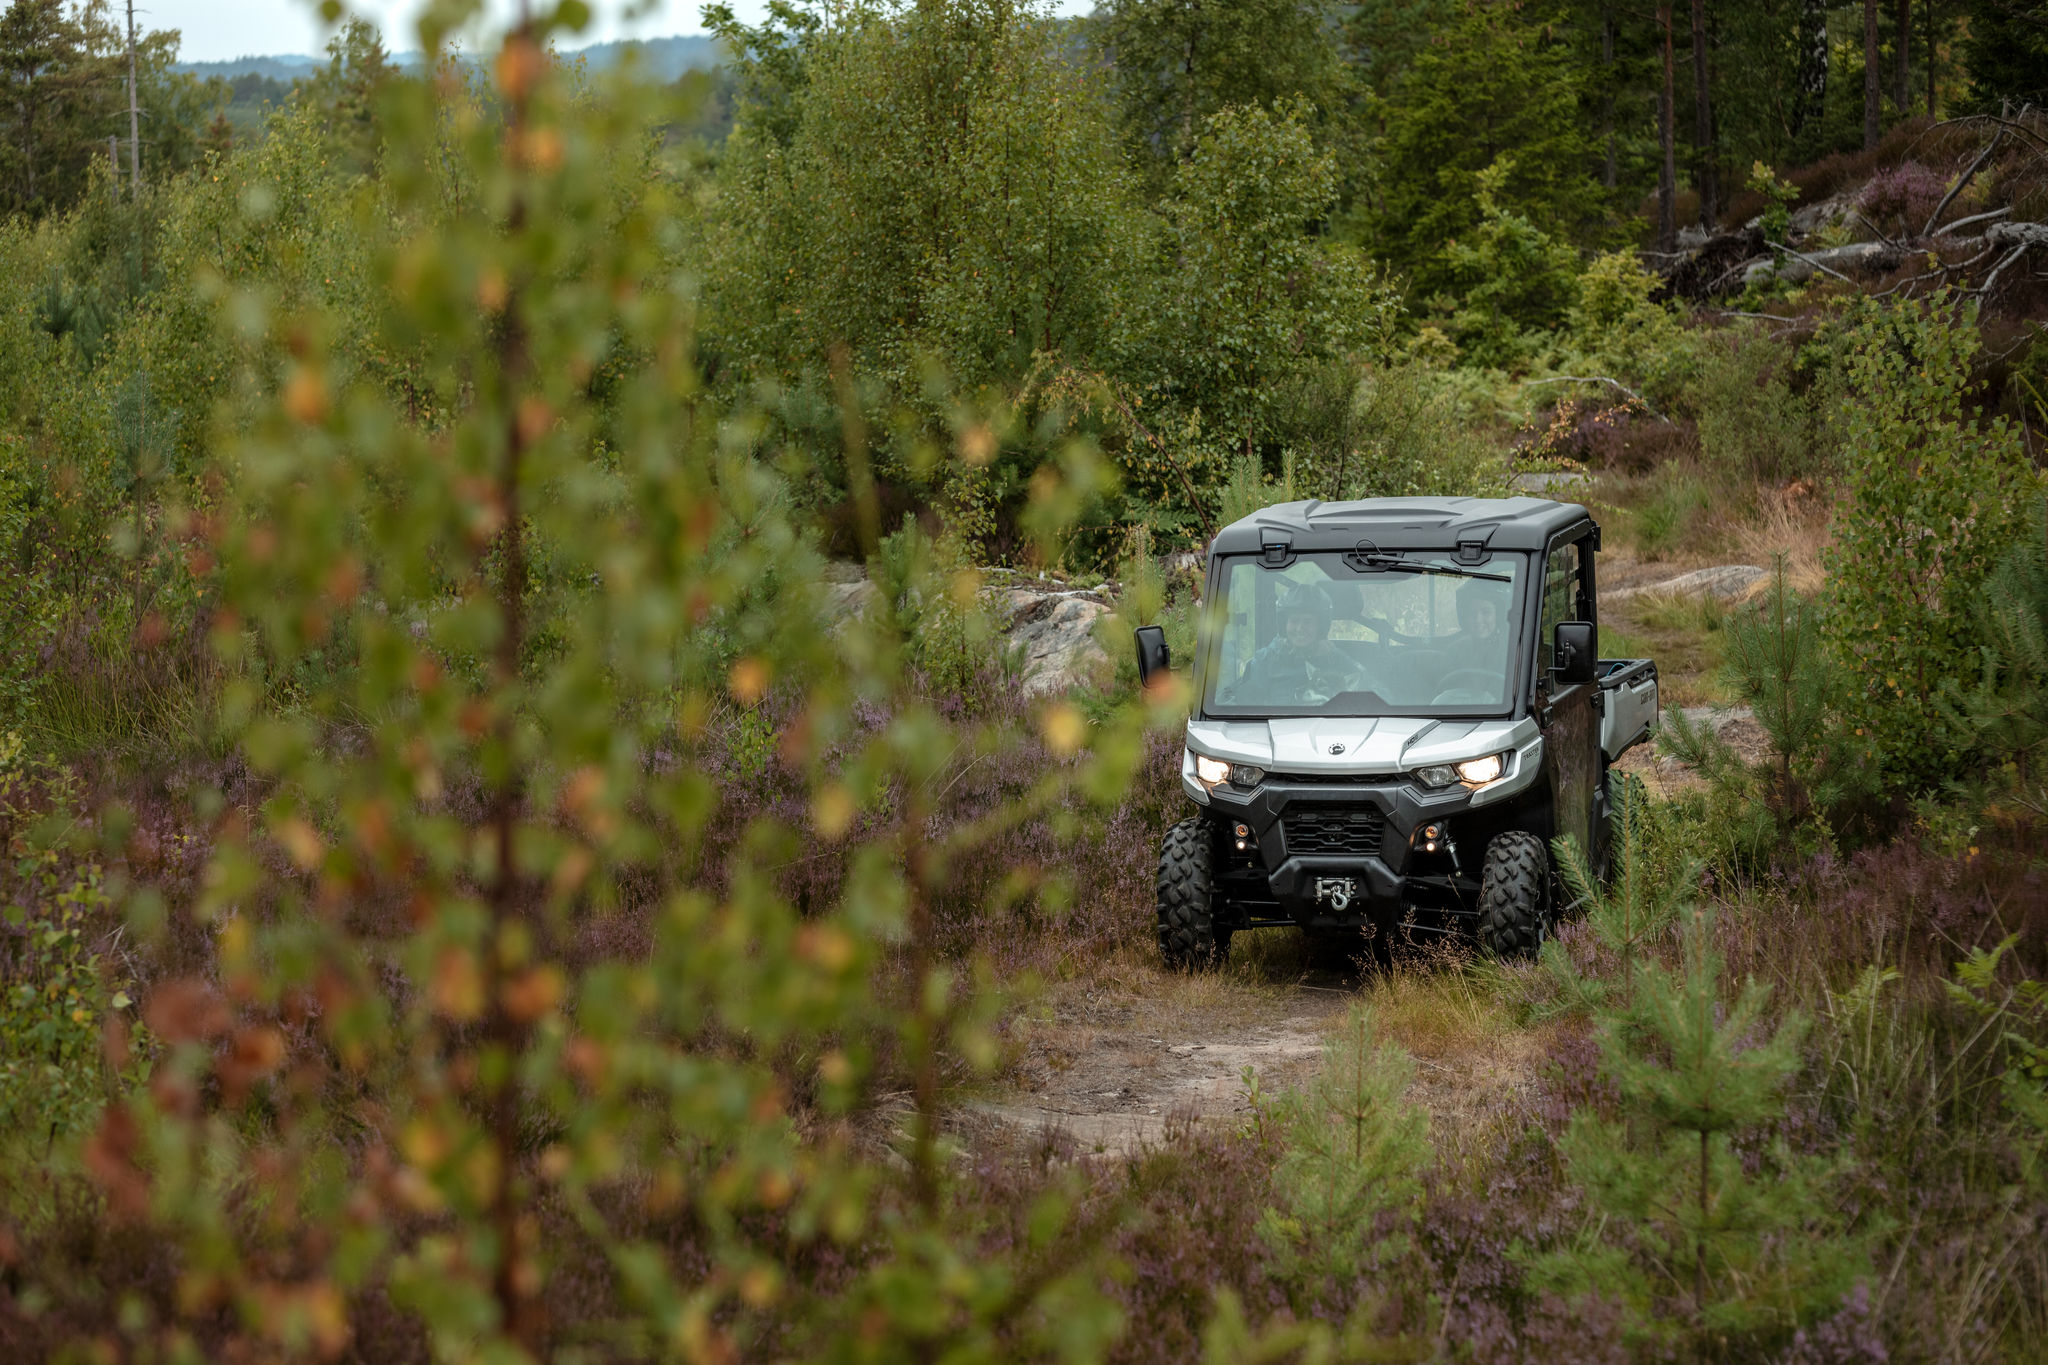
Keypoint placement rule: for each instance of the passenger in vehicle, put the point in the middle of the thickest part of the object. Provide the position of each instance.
(1478, 642)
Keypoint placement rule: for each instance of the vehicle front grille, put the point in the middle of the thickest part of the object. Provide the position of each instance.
(1333, 829)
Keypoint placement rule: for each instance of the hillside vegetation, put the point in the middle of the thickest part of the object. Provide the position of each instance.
(474, 892)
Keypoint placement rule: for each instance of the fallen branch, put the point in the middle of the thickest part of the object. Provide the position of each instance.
(1765, 317)
(1859, 216)
(1959, 224)
(1601, 379)
(1965, 178)
(1942, 273)
(1984, 290)
(1780, 246)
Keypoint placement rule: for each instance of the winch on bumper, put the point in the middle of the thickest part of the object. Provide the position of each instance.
(1331, 852)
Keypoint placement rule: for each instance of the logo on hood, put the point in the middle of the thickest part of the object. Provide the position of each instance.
(1336, 748)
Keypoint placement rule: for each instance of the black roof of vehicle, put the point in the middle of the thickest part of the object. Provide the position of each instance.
(1402, 524)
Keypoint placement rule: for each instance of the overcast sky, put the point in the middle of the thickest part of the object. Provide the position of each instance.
(221, 30)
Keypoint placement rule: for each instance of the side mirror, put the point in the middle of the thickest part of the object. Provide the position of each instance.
(1575, 653)
(1153, 657)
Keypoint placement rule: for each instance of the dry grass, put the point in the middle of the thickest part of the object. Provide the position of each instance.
(1476, 1065)
(1791, 523)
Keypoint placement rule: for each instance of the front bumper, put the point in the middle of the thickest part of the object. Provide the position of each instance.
(1325, 853)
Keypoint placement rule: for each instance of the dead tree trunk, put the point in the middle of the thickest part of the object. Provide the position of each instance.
(1813, 67)
(1872, 99)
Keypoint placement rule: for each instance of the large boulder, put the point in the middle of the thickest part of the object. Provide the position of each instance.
(1726, 582)
(1055, 629)
(1053, 625)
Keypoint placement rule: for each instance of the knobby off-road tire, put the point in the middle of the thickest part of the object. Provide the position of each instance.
(1188, 934)
(1514, 895)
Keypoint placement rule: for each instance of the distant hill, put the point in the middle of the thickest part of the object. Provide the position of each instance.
(666, 58)
(286, 68)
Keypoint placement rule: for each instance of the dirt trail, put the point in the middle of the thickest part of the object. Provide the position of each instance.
(1112, 1067)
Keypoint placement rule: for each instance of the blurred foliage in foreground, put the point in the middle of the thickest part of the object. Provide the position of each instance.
(483, 573)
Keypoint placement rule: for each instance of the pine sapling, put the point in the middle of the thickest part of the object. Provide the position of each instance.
(1638, 901)
(1700, 1250)
(1356, 1148)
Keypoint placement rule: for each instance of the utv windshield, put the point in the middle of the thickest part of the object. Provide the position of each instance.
(1413, 633)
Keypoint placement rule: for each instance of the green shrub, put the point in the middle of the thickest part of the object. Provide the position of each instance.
(1392, 430)
(1933, 499)
(1753, 426)
(57, 986)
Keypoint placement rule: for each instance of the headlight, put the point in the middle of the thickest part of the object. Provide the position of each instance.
(1480, 771)
(1473, 772)
(1213, 772)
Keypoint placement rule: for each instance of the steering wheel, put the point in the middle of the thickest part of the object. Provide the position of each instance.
(1482, 684)
(1470, 680)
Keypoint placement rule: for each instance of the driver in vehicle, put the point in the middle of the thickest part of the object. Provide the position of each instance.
(1300, 661)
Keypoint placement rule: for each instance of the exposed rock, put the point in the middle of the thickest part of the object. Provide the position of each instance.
(1811, 218)
(1056, 632)
(1549, 481)
(847, 598)
(1726, 582)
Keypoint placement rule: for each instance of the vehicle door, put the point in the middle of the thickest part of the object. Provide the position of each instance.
(1567, 713)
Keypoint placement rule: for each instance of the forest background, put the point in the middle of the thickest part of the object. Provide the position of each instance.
(471, 896)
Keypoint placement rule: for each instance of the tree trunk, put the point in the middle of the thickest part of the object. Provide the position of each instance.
(1927, 13)
(1872, 103)
(1703, 123)
(1667, 168)
(1607, 172)
(1902, 83)
(134, 113)
(1811, 109)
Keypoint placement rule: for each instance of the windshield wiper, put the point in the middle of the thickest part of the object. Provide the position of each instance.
(1417, 566)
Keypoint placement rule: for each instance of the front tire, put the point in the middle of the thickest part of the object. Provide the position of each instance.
(1514, 895)
(1189, 938)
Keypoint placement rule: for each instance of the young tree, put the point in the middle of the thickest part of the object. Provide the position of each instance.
(1245, 295)
(1356, 1149)
(1934, 498)
(949, 186)
(1699, 1248)
(409, 1084)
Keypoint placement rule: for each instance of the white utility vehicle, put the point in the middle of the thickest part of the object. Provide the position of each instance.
(1398, 704)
